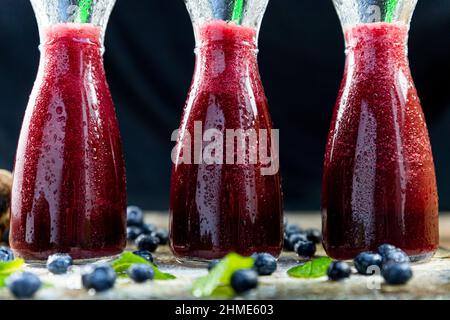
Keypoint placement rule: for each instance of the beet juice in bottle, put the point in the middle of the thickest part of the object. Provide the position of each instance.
(225, 196)
(69, 192)
(379, 183)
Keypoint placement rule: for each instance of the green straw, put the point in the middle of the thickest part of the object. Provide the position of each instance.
(85, 10)
(237, 11)
(390, 10)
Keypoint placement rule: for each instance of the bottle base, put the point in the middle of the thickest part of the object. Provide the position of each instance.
(193, 262)
(79, 256)
(203, 257)
(422, 258)
(415, 256)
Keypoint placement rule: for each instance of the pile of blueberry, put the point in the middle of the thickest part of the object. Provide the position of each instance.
(392, 262)
(99, 277)
(102, 277)
(303, 242)
(146, 236)
(244, 280)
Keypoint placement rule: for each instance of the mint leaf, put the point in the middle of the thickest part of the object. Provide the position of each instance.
(220, 275)
(312, 269)
(8, 268)
(127, 259)
(223, 292)
(47, 285)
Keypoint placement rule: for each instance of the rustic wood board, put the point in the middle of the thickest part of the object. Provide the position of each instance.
(431, 280)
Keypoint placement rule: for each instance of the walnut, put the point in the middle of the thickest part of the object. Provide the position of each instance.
(5, 201)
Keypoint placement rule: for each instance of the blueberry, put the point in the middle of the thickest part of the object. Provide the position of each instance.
(23, 285)
(365, 260)
(133, 233)
(397, 273)
(291, 229)
(212, 264)
(305, 248)
(141, 272)
(100, 278)
(314, 235)
(339, 270)
(135, 216)
(148, 228)
(384, 249)
(294, 238)
(144, 254)
(163, 236)
(59, 263)
(265, 264)
(396, 256)
(147, 242)
(6, 254)
(244, 280)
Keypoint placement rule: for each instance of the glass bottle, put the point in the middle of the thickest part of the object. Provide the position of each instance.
(69, 192)
(226, 199)
(379, 183)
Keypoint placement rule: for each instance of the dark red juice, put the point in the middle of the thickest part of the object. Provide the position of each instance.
(69, 180)
(219, 208)
(379, 182)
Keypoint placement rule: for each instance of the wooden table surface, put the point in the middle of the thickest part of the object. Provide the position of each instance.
(431, 280)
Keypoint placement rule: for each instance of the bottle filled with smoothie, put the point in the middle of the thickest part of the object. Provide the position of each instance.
(379, 183)
(225, 188)
(69, 180)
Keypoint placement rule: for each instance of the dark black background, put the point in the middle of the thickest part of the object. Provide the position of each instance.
(149, 63)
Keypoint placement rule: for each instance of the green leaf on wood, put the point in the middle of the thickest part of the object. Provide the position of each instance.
(127, 259)
(312, 269)
(8, 268)
(220, 275)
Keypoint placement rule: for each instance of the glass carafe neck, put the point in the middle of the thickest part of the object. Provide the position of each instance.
(220, 34)
(376, 34)
(72, 52)
(377, 47)
(353, 12)
(226, 51)
(87, 16)
(226, 33)
(247, 14)
(59, 39)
